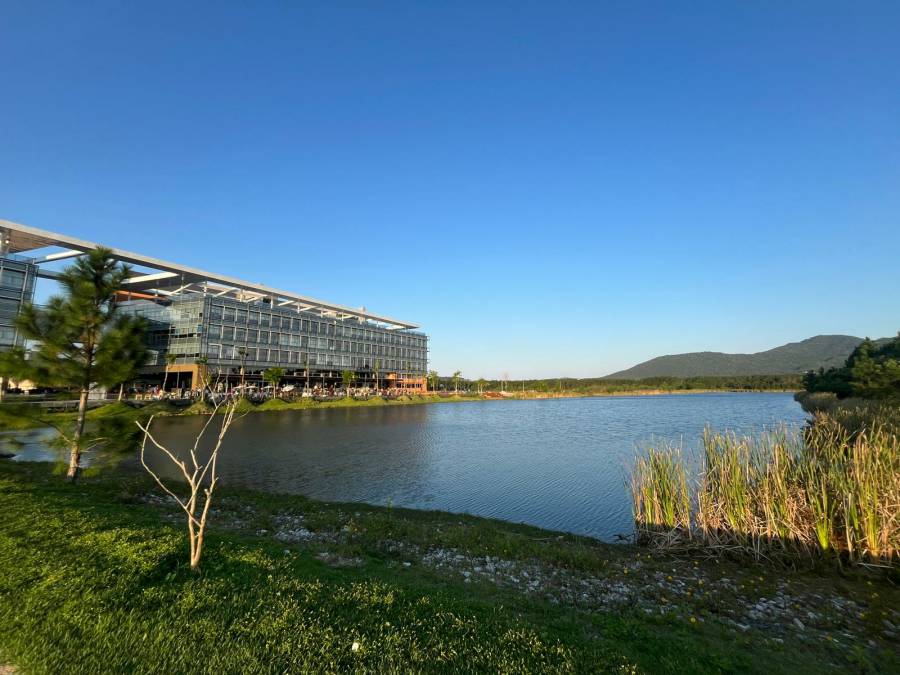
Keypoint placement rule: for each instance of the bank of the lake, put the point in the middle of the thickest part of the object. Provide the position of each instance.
(22, 414)
(93, 578)
(25, 415)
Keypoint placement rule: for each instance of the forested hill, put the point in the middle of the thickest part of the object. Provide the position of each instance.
(821, 351)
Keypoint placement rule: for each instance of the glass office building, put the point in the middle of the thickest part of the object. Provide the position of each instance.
(210, 324)
(227, 335)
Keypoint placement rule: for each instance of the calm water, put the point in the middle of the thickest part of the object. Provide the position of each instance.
(556, 463)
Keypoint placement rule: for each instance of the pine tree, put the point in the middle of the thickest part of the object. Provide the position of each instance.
(82, 341)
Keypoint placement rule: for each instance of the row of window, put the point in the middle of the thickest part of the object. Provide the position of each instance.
(14, 284)
(227, 352)
(12, 278)
(253, 335)
(8, 307)
(178, 328)
(256, 319)
(7, 335)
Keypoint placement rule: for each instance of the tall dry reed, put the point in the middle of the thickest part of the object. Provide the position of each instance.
(660, 491)
(832, 489)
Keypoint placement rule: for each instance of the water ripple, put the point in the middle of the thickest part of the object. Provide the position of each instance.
(558, 463)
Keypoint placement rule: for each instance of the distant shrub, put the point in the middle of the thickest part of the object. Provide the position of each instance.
(816, 401)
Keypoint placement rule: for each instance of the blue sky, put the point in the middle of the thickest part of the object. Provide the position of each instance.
(548, 188)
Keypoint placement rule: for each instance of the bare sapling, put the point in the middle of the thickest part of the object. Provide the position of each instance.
(201, 476)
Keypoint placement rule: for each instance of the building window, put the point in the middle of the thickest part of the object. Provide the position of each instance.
(215, 331)
(8, 307)
(12, 278)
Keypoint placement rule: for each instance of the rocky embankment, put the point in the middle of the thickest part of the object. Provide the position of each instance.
(774, 604)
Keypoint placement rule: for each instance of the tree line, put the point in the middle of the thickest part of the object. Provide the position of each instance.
(871, 371)
(600, 385)
(723, 382)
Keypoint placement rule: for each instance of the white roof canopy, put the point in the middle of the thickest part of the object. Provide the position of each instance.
(169, 278)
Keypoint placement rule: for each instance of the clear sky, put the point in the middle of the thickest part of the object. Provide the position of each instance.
(547, 188)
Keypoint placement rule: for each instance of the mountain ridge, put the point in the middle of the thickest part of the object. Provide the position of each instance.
(819, 351)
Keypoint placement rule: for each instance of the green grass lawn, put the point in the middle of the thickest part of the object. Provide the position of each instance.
(93, 578)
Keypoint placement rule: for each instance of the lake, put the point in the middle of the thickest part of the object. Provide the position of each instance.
(556, 463)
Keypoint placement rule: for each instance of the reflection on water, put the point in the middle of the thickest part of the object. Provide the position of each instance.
(31, 445)
(114, 440)
(556, 463)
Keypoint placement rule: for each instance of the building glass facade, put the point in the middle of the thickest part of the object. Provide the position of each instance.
(209, 324)
(229, 334)
(17, 275)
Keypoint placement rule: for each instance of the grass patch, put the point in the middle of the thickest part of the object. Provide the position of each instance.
(273, 404)
(20, 416)
(197, 408)
(93, 579)
(110, 410)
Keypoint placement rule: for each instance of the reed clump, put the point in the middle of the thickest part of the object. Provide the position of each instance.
(660, 490)
(832, 489)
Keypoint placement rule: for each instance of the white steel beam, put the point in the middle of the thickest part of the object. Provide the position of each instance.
(62, 255)
(24, 238)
